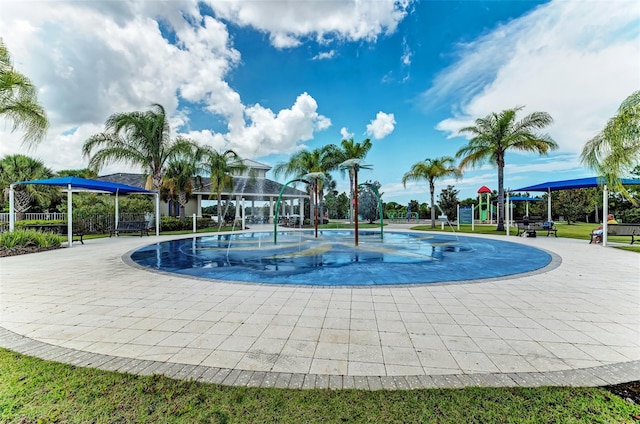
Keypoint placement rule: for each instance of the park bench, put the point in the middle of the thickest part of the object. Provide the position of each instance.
(130, 227)
(528, 228)
(632, 230)
(59, 229)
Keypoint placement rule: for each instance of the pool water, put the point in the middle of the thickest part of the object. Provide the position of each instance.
(332, 259)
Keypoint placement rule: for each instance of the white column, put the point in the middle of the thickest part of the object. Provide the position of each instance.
(549, 205)
(199, 205)
(605, 212)
(238, 206)
(508, 213)
(271, 208)
(12, 208)
(69, 216)
(301, 204)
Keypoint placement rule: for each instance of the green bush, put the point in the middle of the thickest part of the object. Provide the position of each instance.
(28, 238)
(169, 223)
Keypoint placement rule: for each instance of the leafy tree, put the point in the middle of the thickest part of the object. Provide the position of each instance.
(615, 151)
(570, 203)
(19, 101)
(324, 160)
(431, 170)
(181, 176)
(497, 133)
(353, 150)
(138, 138)
(368, 202)
(16, 168)
(221, 165)
(448, 201)
(79, 173)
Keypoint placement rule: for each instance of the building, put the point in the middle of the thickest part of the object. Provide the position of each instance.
(250, 185)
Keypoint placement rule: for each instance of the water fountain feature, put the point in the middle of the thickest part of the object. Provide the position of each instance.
(331, 259)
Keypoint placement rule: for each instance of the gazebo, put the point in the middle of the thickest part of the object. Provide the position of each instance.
(75, 184)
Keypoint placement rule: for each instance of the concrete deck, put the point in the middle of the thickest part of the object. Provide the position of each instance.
(575, 323)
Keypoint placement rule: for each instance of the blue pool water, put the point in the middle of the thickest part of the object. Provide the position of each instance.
(333, 260)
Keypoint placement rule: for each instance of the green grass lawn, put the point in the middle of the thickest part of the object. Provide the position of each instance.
(37, 391)
(580, 230)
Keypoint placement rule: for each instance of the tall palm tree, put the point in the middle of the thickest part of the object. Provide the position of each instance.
(181, 176)
(324, 159)
(495, 134)
(137, 138)
(432, 170)
(615, 151)
(15, 168)
(19, 101)
(353, 150)
(221, 165)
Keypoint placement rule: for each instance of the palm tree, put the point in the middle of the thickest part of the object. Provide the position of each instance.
(431, 170)
(15, 168)
(221, 166)
(19, 101)
(496, 133)
(181, 177)
(615, 151)
(304, 162)
(137, 138)
(353, 150)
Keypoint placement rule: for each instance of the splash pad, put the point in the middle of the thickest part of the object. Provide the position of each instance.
(332, 259)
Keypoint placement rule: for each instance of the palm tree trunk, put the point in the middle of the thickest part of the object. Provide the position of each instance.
(500, 217)
(432, 190)
(350, 196)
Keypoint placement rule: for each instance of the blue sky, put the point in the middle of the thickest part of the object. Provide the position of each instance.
(267, 78)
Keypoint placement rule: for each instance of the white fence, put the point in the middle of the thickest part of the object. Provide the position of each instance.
(45, 216)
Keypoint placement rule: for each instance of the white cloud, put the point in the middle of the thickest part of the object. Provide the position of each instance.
(346, 135)
(92, 59)
(324, 55)
(382, 126)
(287, 22)
(575, 60)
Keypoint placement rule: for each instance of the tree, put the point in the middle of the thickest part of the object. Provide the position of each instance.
(368, 202)
(19, 102)
(180, 178)
(570, 203)
(353, 150)
(448, 201)
(304, 162)
(137, 138)
(615, 151)
(497, 133)
(221, 165)
(431, 170)
(16, 168)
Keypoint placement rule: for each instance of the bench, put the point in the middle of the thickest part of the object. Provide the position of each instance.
(130, 227)
(632, 230)
(531, 228)
(59, 229)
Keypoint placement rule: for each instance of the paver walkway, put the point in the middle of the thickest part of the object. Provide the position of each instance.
(575, 323)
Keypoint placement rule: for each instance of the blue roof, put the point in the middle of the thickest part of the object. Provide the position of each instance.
(90, 185)
(577, 183)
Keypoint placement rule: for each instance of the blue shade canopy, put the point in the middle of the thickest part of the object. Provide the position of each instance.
(577, 183)
(523, 199)
(89, 185)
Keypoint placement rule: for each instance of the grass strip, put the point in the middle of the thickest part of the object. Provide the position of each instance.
(37, 391)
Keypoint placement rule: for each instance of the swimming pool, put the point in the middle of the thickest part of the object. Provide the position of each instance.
(333, 260)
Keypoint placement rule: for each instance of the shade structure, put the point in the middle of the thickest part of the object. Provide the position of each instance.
(76, 184)
(571, 184)
(578, 183)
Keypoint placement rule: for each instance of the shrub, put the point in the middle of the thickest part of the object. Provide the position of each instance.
(28, 238)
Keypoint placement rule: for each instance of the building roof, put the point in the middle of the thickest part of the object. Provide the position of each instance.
(253, 188)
